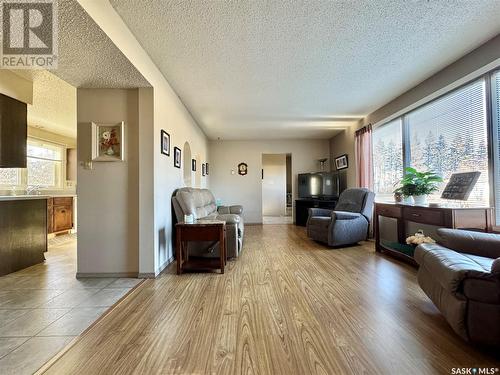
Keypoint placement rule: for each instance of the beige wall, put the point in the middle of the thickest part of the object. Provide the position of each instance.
(479, 61)
(108, 195)
(15, 86)
(160, 108)
(343, 143)
(247, 190)
(69, 142)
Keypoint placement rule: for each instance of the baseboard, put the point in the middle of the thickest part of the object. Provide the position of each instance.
(165, 265)
(151, 275)
(83, 275)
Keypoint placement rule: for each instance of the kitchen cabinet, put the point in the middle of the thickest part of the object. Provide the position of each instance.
(13, 132)
(59, 214)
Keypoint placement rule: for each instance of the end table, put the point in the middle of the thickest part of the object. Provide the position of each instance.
(200, 230)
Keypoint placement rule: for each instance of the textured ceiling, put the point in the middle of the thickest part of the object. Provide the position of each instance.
(54, 103)
(87, 57)
(245, 69)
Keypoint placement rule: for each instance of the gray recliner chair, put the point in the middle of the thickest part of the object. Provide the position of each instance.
(347, 224)
(201, 204)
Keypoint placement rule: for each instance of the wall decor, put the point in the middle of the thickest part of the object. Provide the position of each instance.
(341, 162)
(165, 143)
(108, 142)
(193, 165)
(203, 170)
(206, 169)
(242, 169)
(177, 157)
(460, 185)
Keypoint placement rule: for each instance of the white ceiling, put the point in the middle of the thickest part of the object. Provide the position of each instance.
(54, 103)
(87, 57)
(267, 69)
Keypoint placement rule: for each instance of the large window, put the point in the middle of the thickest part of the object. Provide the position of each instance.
(447, 135)
(45, 162)
(387, 158)
(495, 104)
(450, 135)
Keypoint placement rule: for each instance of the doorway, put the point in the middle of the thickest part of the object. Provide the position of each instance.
(276, 188)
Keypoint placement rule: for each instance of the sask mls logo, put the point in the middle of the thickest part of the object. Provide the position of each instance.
(29, 34)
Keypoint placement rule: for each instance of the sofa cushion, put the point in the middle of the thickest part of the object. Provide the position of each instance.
(450, 268)
(197, 202)
(495, 266)
(319, 221)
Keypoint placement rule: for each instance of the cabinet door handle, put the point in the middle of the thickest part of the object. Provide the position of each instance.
(63, 211)
(416, 215)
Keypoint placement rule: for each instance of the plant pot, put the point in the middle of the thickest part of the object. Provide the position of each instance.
(407, 200)
(420, 200)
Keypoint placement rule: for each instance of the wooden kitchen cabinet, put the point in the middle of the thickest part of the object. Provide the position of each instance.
(59, 214)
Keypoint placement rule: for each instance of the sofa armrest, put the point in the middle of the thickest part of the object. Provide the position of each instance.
(344, 215)
(323, 212)
(475, 243)
(235, 209)
(229, 218)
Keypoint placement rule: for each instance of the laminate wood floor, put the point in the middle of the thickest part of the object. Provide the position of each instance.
(286, 306)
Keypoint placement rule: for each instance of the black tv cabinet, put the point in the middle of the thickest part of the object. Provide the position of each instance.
(303, 205)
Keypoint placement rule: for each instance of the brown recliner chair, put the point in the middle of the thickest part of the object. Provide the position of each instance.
(461, 275)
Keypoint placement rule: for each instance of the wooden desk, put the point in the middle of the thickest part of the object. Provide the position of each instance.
(200, 230)
(471, 218)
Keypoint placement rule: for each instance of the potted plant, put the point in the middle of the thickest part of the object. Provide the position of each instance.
(418, 185)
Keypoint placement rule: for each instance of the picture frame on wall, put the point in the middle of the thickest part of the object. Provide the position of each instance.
(177, 157)
(193, 165)
(165, 143)
(203, 170)
(108, 142)
(342, 162)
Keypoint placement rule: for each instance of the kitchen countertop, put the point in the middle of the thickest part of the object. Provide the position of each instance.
(32, 196)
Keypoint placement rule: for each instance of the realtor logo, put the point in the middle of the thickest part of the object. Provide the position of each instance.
(29, 34)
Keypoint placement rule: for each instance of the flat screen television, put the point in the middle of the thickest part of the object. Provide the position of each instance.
(321, 185)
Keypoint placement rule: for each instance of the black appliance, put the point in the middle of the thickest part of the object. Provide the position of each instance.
(320, 190)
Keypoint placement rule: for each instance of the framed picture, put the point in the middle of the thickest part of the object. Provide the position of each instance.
(206, 169)
(460, 185)
(165, 143)
(108, 142)
(242, 169)
(342, 162)
(177, 157)
(203, 170)
(193, 165)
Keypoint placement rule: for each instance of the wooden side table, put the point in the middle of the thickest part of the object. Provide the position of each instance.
(200, 230)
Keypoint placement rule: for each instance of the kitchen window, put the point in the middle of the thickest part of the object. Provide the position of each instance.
(45, 167)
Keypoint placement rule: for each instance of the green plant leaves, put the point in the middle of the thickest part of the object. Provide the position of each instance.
(418, 183)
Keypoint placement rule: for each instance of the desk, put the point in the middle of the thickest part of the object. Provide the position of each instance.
(200, 230)
(471, 218)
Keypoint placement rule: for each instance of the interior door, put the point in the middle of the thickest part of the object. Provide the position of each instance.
(274, 185)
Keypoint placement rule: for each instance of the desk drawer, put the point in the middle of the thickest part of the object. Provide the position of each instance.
(425, 216)
(389, 211)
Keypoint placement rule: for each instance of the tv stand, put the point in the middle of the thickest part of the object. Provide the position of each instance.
(303, 205)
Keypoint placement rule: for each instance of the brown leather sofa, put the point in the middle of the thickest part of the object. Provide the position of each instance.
(461, 275)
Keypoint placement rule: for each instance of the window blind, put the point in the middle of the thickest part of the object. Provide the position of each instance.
(387, 158)
(449, 135)
(495, 95)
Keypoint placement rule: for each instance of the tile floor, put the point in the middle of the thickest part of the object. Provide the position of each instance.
(44, 307)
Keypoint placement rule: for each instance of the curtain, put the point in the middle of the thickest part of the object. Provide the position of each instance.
(364, 162)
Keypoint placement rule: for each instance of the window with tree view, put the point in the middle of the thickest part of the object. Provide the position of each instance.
(449, 135)
(446, 136)
(387, 158)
